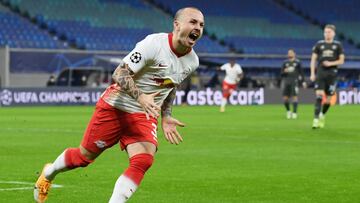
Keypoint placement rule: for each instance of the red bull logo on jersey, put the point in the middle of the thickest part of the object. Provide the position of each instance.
(164, 82)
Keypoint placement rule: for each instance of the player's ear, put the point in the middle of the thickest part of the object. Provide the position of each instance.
(176, 25)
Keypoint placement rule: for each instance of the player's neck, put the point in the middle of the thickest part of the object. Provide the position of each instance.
(180, 48)
(176, 45)
(329, 41)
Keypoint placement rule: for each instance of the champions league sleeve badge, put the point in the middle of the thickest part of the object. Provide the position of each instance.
(135, 57)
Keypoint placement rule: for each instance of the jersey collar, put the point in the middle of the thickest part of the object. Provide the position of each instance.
(170, 36)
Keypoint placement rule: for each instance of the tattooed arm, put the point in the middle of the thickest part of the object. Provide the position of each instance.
(123, 76)
(166, 108)
(169, 123)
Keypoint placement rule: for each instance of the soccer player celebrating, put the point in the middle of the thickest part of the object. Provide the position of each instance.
(127, 111)
(291, 73)
(233, 75)
(328, 54)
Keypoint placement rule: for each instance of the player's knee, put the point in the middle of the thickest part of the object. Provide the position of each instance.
(320, 92)
(319, 97)
(74, 158)
(142, 161)
(89, 155)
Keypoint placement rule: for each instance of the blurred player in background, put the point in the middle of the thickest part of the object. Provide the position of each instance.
(127, 111)
(233, 75)
(292, 74)
(326, 57)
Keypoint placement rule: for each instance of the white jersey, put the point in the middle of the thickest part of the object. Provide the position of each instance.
(232, 72)
(157, 68)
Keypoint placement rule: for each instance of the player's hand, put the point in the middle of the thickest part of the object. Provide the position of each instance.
(326, 63)
(169, 128)
(312, 77)
(147, 103)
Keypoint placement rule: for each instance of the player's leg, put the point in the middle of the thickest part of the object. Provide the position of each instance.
(324, 109)
(286, 97)
(295, 92)
(226, 94)
(140, 142)
(223, 103)
(287, 106)
(101, 133)
(141, 157)
(319, 93)
(330, 89)
(319, 96)
(70, 159)
(295, 107)
(326, 104)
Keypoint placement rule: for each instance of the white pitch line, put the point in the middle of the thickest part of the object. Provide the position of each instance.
(16, 188)
(23, 183)
(43, 130)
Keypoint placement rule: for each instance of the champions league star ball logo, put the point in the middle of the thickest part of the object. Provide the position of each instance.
(5, 97)
(135, 57)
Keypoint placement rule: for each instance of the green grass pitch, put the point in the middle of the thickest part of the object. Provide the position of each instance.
(247, 154)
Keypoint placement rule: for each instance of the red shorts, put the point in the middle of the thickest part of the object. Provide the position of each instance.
(109, 126)
(227, 89)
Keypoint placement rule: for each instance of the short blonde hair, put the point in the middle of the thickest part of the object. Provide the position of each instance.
(180, 11)
(330, 26)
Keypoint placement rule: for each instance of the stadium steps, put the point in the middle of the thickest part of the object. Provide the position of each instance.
(19, 32)
(234, 24)
(343, 14)
(118, 25)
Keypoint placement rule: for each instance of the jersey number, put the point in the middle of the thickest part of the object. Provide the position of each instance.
(154, 131)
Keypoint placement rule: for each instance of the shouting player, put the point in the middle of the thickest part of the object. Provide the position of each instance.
(127, 112)
(233, 75)
(292, 74)
(327, 55)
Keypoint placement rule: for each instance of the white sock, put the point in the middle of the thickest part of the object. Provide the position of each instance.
(59, 165)
(223, 102)
(124, 188)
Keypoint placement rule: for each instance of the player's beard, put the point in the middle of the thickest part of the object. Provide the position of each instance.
(186, 42)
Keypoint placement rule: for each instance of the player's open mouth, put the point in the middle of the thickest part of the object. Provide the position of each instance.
(194, 36)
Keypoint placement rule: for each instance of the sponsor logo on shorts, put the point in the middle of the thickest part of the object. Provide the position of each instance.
(100, 144)
(154, 131)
